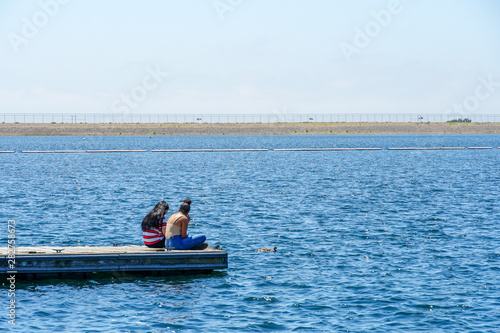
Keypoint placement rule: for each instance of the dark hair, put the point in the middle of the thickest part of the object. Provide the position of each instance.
(188, 201)
(184, 208)
(154, 218)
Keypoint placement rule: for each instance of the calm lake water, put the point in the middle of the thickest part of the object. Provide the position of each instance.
(368, 241)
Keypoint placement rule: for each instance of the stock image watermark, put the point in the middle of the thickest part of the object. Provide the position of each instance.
(223, 7)
(140, 92)
(279, 115)
(485, 89)
(364, 36)
(39, 20)
(11, 262)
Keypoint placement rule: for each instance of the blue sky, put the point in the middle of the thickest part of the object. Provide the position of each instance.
(249, 56)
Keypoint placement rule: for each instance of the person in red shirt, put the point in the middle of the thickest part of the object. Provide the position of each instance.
(152, 225)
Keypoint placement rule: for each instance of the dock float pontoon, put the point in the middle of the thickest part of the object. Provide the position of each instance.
(86, 151)
(427, 148)
(116, 151)
(81, 261)
(203, 150)
(324, 149)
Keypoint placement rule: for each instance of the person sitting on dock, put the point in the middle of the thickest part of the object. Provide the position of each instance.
(152, 226)
(175, 230)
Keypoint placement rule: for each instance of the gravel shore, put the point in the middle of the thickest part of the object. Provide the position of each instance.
(248, 129)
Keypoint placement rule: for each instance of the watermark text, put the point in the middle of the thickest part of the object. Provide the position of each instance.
(39, 20)
(222, 7)
(484, 90)
(138, 93)
(11, 262)
(364, 36)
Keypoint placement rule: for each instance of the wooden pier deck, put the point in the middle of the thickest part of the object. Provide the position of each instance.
(81, 261)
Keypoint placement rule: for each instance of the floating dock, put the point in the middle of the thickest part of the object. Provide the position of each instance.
(31, 263)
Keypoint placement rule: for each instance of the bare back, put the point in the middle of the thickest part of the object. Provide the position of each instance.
(176, 225)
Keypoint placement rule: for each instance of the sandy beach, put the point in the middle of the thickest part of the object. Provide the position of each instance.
(248, 129)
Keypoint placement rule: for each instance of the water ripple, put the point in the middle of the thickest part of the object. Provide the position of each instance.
(367, 241)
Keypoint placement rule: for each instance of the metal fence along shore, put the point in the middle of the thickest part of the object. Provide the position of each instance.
(106, 118)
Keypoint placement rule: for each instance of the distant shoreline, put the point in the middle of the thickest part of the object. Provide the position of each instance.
(247, 129)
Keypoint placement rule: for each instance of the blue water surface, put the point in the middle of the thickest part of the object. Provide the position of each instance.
(368, 241)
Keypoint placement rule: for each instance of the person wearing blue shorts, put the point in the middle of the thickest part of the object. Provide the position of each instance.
(175, 230)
